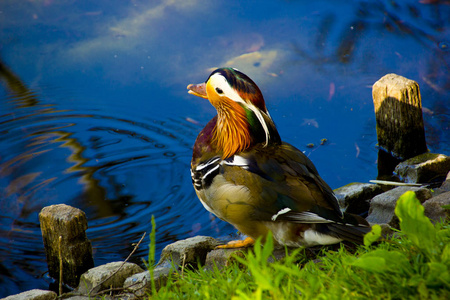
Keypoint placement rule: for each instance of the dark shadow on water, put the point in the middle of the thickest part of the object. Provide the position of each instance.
(118, 167)
(335, 44)
(129, 167)
(374, 16)
(386, 165)
(23, 97)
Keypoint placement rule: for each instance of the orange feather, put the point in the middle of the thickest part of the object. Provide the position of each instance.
(232, 133)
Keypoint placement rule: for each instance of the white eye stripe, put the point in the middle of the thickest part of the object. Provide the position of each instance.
(218, 81)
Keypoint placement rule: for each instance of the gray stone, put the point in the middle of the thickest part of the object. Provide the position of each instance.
(423, 168)
(102, 278)
(280, 254)
(446, 184)
(68, 297)
(386, 230)
(222, 258)
(188, 252)
(140, 284)
(382, 207)
(354, 197)
(434, 209)
(33, 295)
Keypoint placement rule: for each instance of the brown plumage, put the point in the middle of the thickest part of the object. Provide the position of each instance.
(244, 174)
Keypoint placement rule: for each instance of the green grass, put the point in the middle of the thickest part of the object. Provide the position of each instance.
(413, 265)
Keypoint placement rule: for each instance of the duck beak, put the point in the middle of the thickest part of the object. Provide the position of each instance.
(198, 90)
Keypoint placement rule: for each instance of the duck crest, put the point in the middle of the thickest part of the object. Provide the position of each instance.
(242, 119)
(246, 86)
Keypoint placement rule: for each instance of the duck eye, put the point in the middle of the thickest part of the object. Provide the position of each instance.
(219, 90)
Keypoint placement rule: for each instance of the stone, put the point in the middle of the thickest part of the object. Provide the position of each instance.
(101, 278)
(446, 184)
(222, 258)
(188, 252)
(140, 284)
(386, 230)
(280, 253)
(68, 297)
(434, 210)
(424, 168)
(35, 294)
(354, 197)
(382, 207)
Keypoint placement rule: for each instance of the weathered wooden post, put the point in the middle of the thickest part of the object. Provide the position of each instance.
(398, 112)
(64, 232)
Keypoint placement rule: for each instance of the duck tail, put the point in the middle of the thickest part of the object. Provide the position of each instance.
(352, 229)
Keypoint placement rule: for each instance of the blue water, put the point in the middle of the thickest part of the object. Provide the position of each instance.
(94, 111)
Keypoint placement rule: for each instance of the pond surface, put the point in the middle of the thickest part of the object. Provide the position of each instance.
(94, 111)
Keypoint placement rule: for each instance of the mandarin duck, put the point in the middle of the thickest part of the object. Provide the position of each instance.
(244, 174)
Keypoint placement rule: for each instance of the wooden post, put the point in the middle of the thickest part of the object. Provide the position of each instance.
(64, 233)
(398, 112)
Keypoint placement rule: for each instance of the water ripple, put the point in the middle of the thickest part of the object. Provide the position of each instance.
(117, 170)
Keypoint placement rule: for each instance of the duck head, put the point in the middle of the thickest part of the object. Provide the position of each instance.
(242, 117)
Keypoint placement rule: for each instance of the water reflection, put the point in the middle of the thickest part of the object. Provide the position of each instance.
(381, 37)
(119, 171)
(99, 117)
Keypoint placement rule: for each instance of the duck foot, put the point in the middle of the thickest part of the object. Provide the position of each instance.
(237, 244)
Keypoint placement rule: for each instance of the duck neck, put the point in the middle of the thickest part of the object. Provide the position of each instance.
(238, 129)
(232, 132)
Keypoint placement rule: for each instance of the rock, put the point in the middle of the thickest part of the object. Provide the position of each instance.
(386, 230)
(280, 254)
(434, 209)
(69, 297)
(94, 279)
(424, 168)
(222, 258)
(354, 197)
(382, 206)
(187, 252)
(33, 295)
(446, 184)
(140, 284)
